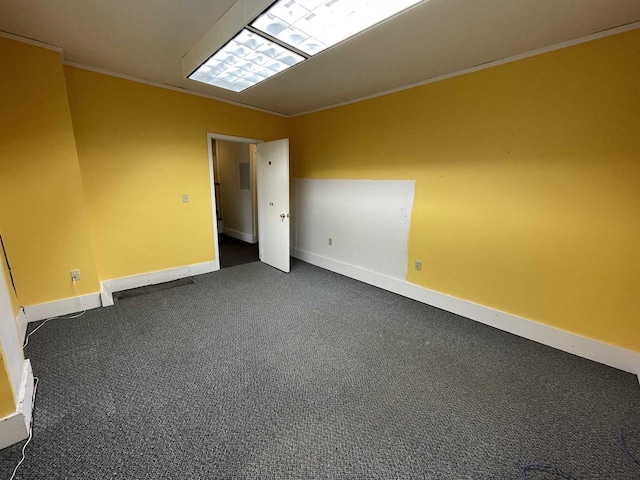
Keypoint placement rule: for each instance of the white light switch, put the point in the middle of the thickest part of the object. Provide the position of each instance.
(185, 198)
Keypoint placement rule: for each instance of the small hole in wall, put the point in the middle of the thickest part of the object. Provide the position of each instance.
(269, 163)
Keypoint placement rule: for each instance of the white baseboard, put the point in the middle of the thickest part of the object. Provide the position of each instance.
(21, 323)
(245, 237)
(600, 352)
(109, 287)
(106, 295)
(15, 427)
(65, 306)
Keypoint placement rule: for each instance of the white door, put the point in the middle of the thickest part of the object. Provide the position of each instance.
(273, 203)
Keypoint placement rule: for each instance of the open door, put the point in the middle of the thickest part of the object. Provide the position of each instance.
(273, 203)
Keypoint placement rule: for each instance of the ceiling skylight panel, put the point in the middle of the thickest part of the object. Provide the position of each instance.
(244, 61)
(312, 26)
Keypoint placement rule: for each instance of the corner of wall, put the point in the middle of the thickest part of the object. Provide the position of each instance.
(16, 426)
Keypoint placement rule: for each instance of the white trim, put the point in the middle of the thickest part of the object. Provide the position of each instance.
(10, 344)
(64, 306)
(31, 41)
(231, 138)
(170, 87)
(254, 190)
(482, 66)
(15, 427)
(212, 191)
(245, 237)
(21, 324)
(106, 295)
(607, 354)
(108, 287)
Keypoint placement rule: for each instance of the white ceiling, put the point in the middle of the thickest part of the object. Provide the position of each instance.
(148, 38)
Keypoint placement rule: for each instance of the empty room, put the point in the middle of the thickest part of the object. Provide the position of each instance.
(320, 239)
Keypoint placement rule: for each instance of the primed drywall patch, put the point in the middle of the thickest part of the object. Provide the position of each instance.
(367, 220)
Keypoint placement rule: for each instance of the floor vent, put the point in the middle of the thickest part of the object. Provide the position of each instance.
(136, 292)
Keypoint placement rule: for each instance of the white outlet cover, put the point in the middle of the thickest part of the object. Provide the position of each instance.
(185, 198)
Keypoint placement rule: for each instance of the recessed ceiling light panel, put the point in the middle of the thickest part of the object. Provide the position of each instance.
(312, 26)
(244, 61)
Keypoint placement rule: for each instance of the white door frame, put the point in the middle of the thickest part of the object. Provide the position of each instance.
(212, 184)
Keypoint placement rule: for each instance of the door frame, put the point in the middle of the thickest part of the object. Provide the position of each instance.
(212, 184)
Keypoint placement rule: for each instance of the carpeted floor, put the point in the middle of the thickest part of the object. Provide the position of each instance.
(251, 373)
(236, 252)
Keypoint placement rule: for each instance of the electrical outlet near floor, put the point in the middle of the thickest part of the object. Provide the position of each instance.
(75, 275)
(418, 265)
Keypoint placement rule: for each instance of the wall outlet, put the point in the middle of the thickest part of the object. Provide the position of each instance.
(75, 275)
(185, 198)
(330, 241)
(418, 265)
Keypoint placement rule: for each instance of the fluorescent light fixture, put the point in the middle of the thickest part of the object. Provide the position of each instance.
(244, 61)
(306, 26)
(312, 26)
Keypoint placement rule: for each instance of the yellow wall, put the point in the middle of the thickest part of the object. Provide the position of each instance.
(43, 218)
(140, 148)
(527, 182)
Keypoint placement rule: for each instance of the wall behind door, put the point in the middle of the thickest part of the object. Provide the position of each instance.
(234, 160)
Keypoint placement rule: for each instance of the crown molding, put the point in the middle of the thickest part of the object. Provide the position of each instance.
(31, 41)
(482, 66)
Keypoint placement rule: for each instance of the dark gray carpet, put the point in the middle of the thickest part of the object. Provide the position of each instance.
(251, 373)
(236, 252)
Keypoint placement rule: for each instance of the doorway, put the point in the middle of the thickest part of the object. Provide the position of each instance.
(234, 166)
(249, 181)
